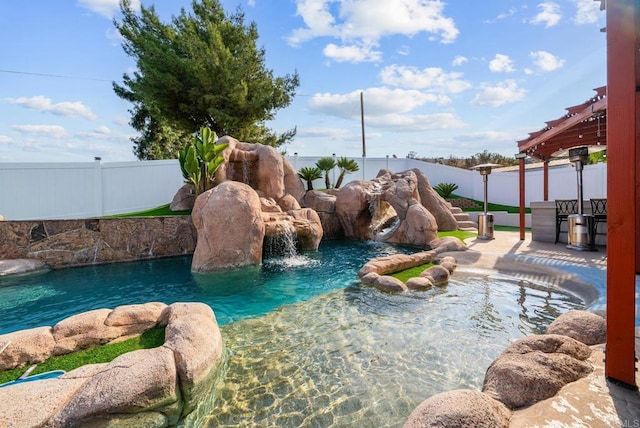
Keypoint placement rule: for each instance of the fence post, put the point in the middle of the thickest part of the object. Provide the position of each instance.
(98, 187)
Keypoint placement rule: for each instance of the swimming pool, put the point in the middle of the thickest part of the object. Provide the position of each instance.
(307, 344)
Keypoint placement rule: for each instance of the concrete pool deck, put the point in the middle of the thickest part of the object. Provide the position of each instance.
(592, 401)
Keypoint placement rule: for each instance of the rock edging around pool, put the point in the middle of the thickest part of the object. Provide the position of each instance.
(527, 372)
(375, 271)
(148, 387)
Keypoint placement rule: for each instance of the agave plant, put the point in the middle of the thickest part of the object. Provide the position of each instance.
(347, 166)
(325, 165)
(200, 160)
(445, 189)
(309, 174)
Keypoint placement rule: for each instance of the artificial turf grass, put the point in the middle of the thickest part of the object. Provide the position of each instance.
(491, 207)
(405, 275)
(161, 211)
(151, 338)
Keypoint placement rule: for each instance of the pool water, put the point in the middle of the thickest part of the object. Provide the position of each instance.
(307, 344)
(44, 299)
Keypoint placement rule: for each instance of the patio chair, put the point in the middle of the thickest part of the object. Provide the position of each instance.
(599, 212)
(564, 208)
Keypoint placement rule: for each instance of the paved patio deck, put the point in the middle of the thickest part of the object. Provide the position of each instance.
(592, 401)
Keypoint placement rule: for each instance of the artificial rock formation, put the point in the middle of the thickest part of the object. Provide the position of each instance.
(148, 387)
(258, 197)
(584, 326)
(459, 408)
(534, 368)
(390, 208)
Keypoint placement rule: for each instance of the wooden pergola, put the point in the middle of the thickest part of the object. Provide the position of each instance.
(611, 118)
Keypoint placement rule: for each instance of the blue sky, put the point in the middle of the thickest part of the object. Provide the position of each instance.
(438, 78)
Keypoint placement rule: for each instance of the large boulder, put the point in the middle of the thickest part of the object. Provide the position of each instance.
(230, 229)
(459, 408)
(83, 331)
(352, 206)
(434, 203)
(184, 199)
(320, 201)
(308, 227)
(144, 379)
(586, 327)
(534, 368)
(26, 347)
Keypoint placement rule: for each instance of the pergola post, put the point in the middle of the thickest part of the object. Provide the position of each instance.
(623, 204)
(545, 179)
(522, 194)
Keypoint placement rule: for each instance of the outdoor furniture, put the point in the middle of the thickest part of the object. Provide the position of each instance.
(564, 208)
(599, 212)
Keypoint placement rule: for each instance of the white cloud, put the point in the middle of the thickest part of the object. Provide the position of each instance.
(459, 60)
(52, 131)
(546, 61)
(404, 50)
(369, 20)
(412, 123)
(352, 53)
(106, 8)
(65, 108)
(427, 78)
(501, 16)
(103, 130)
(587, 12)
(499, 94)
(486, 137)
(121, 120)
(377, 102)
(324, 132)
(5, 140)
(501, 64)
(549, 15)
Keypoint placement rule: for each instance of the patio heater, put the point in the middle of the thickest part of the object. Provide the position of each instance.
(580, 225)
(485, 220)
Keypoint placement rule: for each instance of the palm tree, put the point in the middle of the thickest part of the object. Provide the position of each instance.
(326, 165)
(309, 174)
(347, 166)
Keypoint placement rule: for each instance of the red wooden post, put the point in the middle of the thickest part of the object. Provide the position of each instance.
(622, 205)
(545, 179)
(522, 192)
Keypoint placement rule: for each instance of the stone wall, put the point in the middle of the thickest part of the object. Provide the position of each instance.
(67, 243)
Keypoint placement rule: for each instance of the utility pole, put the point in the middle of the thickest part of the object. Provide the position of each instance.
(364, 147)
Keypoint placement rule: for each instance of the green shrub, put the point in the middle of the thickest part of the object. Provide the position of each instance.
(446, 189)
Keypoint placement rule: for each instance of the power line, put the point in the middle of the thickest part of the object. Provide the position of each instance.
(53, 75)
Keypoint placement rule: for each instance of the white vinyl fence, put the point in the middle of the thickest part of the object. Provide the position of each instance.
(30, 191)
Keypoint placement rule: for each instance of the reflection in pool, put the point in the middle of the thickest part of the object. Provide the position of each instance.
(307, 344)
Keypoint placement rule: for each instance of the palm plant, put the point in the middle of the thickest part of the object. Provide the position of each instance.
(309, 174)
(446, 189)
(347, 166)
(326, 164)
(200, 160)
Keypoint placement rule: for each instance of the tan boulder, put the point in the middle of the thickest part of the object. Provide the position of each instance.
(446, 244)
(20, 266)
(438, 275)
(459, 408)
(535, 368)
(270, 171)
(320, 201)
(308, 228)
(395, 263)
(352, 207)
(419, 283)
(26, 347)
(184, 199)
(144, 379)
(434, 203)
(32, 404)
(230, 228)
(586, 327)
(418, 228)
(268, 205)
(288, 203)
(447, 262)
(135, 319)
(83, 331)
(389, 284)
(194, 337)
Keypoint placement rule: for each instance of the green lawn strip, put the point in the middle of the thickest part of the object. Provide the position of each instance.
(460, 234)
(161, 211)
(100, 354)
(404, 275)
(510, 228)
(491, 207)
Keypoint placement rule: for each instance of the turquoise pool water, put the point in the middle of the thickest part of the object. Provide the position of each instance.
(44, 299)
(308, 345)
